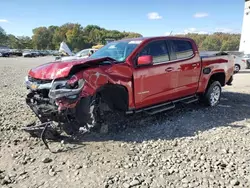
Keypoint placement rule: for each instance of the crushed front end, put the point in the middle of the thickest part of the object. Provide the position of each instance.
(55, 100)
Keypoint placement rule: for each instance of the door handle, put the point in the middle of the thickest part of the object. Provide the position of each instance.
(194, 64)
(169, 69)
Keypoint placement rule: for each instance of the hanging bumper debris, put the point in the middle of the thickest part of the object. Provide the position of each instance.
(44, 131)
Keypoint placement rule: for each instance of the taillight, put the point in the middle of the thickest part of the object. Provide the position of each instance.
(244, 60)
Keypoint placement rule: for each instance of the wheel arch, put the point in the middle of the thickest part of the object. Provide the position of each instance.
(218, 76)
(114, 95)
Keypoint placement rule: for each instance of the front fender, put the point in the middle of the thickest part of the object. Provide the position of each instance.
(95, 78)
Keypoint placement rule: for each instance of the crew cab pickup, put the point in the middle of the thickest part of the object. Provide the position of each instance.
(125, 77)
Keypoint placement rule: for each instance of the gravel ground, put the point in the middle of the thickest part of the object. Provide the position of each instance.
(192, 146)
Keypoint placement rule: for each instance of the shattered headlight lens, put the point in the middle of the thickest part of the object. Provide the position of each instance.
(66, 88)
(74, 83)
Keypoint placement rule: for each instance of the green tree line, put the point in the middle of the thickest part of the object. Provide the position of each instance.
(216, 42)
(20, 42)
(78, 37)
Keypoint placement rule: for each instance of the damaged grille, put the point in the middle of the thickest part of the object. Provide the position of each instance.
(39, 81)
(43, 93)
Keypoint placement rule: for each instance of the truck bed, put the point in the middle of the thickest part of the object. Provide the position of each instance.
(205, 54)
(215, 62)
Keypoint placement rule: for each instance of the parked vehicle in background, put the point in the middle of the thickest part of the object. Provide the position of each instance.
(239, 63)
(248, 63)
(246, 59)
(4, 53)
(16, 52)
(54, 52)
(29, 53)
(43, 53)
(97, 46)
(79, 55)
(65, 49)
(129, 76)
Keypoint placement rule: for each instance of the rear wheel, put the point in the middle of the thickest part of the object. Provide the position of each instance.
(213, 94)
(236, 68)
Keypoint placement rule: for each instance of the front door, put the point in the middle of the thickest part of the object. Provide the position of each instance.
(155, 83)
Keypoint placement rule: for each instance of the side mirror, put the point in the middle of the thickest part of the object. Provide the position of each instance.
(145, 60)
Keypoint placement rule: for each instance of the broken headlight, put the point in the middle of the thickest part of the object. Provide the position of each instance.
(74, 82)
(66, 88)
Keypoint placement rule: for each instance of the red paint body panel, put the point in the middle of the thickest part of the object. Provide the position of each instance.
(53, 70)
(58, 69)
(154, 85)
(117, 74)
(147, 85)
(223, 64)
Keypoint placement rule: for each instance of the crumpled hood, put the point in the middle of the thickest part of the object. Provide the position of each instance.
(59, 69)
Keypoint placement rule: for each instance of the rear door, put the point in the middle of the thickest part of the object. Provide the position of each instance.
(155, 83)
(188, 64)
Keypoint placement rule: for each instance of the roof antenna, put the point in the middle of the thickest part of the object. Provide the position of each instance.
(170, 33)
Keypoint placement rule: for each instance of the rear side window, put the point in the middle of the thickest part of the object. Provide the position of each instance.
(157, 49)
(182, 48)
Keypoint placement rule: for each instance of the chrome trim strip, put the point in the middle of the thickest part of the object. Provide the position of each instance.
(35, 86)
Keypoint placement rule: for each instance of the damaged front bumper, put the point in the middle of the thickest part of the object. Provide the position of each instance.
(53, 100)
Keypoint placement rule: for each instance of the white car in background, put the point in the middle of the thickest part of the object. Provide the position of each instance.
(239, 63)
(79, 55)
(246, 59)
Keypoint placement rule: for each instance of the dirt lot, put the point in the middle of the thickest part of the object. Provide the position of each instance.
(187, 147)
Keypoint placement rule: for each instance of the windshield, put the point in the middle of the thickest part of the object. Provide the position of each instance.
(82, 53)
(118, 50)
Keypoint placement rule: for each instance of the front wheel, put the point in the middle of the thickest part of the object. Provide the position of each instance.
(213, 94)
(94, 114)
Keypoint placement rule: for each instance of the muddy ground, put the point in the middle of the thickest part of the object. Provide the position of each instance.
(193, 146)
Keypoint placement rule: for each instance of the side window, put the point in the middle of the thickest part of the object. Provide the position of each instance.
(182, 48)
(157, 49)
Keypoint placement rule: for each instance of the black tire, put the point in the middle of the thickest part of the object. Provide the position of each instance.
(87, 114)
(230, 81)
(236, 68)
(248, 64)
(84, 117)
(213, 94)
(70, 128)
(92, 114)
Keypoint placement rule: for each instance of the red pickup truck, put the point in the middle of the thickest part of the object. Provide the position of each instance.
(128, 76)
